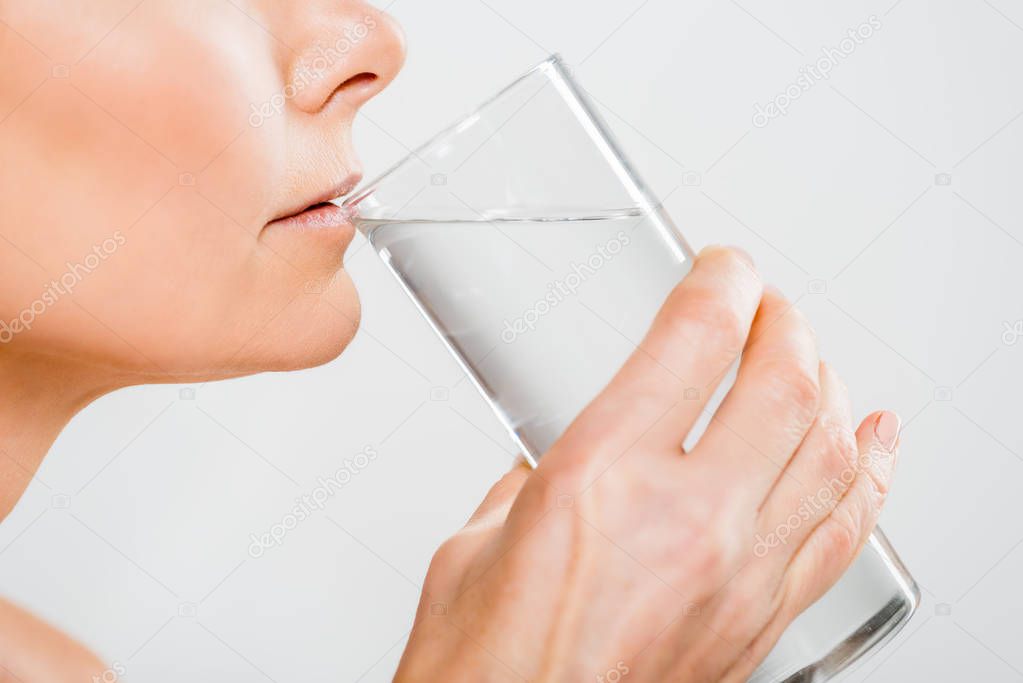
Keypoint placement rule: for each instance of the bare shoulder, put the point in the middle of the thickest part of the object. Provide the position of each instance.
(33, 651)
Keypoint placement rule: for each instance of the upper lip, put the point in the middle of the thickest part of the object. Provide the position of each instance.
(333, 192)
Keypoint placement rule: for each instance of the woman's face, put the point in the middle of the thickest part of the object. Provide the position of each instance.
(148, 153)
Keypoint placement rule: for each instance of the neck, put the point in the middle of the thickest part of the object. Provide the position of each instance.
(38, 397)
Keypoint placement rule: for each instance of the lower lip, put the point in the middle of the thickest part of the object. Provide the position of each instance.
(323, 220)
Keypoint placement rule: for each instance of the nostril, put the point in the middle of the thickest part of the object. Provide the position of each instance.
(356, 90)
(358, 81)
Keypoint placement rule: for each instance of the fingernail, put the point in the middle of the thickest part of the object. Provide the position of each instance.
(886, 429)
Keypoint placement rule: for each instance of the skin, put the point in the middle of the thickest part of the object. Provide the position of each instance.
(148, 153)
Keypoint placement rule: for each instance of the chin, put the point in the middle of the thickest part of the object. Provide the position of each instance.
(315, 329)
(326, 329)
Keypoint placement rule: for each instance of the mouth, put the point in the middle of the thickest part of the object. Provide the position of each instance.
(321, 212)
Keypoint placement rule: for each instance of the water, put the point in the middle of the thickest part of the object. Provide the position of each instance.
(541, 312)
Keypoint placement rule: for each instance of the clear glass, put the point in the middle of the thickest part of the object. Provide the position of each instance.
(540, 258)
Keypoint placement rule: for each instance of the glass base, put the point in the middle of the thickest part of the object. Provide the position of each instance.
(863, 611)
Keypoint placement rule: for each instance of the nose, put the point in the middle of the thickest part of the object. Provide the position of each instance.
(352, 51)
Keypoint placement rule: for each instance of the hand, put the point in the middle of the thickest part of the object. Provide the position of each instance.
(623, 555)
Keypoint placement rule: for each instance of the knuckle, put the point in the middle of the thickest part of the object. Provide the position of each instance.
(878, 467)
(851, 522)
(565, 473)
(876, 484)
(546, 492)
(445, 557)
(793, 389)
(444, 568)
(842, 532)
(840, 453)
(571, 462)
(707, 318)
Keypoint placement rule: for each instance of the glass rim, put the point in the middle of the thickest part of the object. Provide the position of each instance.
(553, 61)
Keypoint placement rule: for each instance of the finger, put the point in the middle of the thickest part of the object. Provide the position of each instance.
(840, 537)
(819, 474)
(698, 333)
(493, 511)
(769, 409)
(451, 559)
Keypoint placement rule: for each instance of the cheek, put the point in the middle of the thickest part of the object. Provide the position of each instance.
(157, 105)
(151, 137)
(184, 76)
(181, 74)
(65, 31)
(72, 176)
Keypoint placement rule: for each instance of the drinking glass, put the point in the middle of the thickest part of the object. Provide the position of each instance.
(535, 251)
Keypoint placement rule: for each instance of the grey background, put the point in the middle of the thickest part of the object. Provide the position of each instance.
(887, 201)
